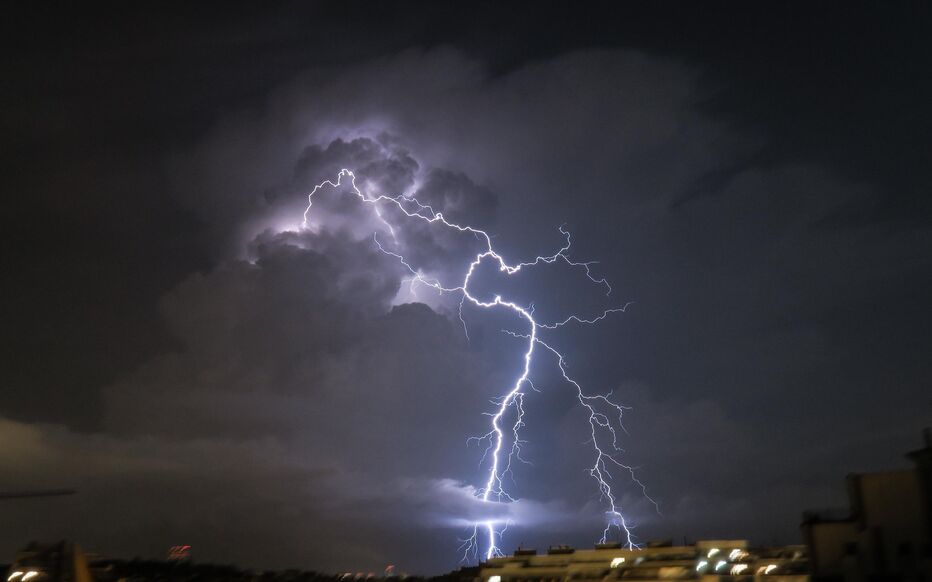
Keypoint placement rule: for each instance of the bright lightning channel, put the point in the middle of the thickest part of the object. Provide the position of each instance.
(604, 437)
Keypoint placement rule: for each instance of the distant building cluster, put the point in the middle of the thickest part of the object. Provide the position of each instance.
(658, 561)
(66, 562)
(50, 562)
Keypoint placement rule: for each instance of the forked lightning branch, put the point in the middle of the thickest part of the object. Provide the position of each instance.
(503, 438)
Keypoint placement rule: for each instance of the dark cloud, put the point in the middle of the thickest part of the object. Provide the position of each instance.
(295, 401)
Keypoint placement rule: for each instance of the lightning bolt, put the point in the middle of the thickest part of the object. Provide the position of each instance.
(605, 416)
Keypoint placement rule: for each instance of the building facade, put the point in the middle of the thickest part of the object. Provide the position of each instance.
(885, 533)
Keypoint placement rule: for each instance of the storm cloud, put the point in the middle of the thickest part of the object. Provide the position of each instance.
(308, 406)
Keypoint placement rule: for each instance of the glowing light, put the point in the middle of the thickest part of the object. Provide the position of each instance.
(736, 554)
(30, 575)
(701, 565)
(712, 552)
(495, 579)
(770, 568)
(738, 568)
(721, 564)
(604, 438)
(14, 575)
(617, 562)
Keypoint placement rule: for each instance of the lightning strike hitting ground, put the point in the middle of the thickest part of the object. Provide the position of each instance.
(604, 437)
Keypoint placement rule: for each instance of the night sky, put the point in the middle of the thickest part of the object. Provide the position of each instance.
(755, 180)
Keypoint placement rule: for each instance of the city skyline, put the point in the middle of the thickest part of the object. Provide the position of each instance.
(203, 367)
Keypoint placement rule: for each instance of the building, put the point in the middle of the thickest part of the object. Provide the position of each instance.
(707, 560)
(885, 533)
(57, 562)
